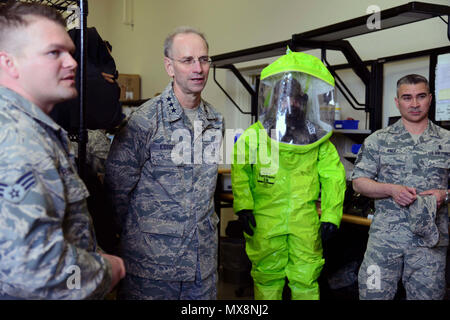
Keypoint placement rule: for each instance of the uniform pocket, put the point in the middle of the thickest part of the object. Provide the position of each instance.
(164, 170)
(163, 239)
(437, 169)
(392, 167)
(162, 227)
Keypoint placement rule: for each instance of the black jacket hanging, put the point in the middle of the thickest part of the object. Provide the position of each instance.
(103, 109)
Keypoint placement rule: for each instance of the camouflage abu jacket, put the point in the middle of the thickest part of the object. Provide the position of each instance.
(390, 155)
(47, 242)
(161, 175)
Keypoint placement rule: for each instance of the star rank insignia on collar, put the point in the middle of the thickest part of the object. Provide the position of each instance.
(173, 110)
(16, 192)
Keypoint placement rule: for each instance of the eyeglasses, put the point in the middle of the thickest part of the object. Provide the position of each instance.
(190, 60)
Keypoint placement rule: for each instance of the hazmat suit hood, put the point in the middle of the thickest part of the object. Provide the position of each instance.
(296, 100)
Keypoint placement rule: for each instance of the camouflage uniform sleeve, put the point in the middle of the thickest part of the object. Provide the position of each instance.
(97, 150)
(368, 159)
(38, 260)
(78, 231)
(123, 165)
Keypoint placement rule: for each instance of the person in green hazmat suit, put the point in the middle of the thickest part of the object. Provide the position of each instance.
(281, 164)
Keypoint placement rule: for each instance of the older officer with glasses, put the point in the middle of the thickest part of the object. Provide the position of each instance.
(163, 201)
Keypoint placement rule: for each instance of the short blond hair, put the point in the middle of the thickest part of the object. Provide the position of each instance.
(14, 14)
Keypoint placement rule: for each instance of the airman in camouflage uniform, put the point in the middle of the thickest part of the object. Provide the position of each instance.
(161, 174)
(47, 243)
(44, 224)
(407, 240)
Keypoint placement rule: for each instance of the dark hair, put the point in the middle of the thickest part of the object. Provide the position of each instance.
(412, 79)
(180, 30)
(14, 15)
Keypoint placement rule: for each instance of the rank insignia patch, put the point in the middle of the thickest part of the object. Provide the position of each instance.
(16, 192)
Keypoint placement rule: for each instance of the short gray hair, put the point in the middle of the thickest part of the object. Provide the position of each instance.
(181, 30)
(412, 79)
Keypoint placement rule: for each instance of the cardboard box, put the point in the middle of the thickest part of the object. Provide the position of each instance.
(130, 86)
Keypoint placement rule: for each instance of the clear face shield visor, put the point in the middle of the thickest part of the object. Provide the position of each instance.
(296, 108)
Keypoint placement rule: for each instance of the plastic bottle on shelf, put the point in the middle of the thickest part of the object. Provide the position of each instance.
(337, 112)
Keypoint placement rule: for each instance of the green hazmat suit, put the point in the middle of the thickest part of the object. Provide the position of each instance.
(281, 182)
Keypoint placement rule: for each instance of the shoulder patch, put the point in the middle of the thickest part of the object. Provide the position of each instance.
(16, 192)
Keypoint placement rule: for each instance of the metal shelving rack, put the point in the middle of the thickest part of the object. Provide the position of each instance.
(333, 37)
(65, 7)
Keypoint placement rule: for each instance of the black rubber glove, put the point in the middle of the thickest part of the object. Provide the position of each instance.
(246, 217)
(327, 230)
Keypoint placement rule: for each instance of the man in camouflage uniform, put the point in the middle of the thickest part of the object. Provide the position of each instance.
(47, 243)
(161, 174)
(97, 150)
(405, 167)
